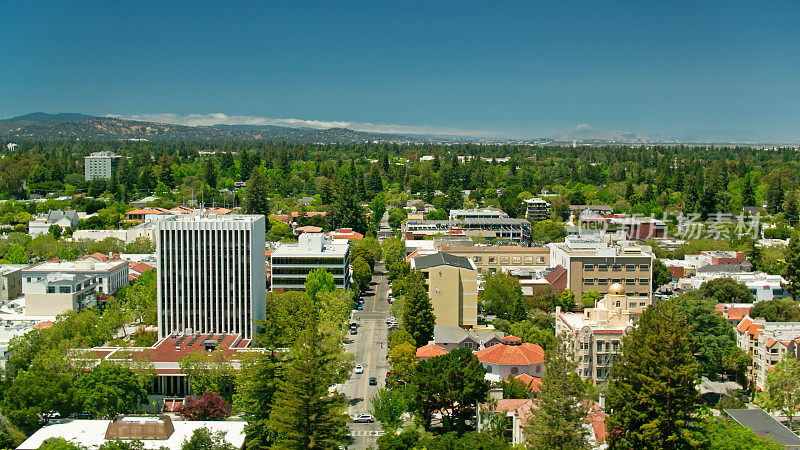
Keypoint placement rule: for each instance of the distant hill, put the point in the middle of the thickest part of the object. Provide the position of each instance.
(41, 117)
(56, 127)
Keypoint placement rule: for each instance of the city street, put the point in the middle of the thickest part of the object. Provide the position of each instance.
(370, 349)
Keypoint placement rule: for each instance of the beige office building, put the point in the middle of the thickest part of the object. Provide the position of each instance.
(452, 287)
(492, 258)
(593, 265)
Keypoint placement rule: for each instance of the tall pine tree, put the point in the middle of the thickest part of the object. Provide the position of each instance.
(257, 195)
(792, 271)
(306, 414)
(653, 396)
(418, 313)
(558, 422)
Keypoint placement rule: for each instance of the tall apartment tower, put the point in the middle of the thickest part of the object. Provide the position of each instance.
(211, 274)
(100, 165)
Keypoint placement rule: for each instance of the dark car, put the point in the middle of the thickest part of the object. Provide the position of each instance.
(373, 381)
(353, 331)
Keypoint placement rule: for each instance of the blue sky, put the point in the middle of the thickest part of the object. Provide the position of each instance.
(716, 69)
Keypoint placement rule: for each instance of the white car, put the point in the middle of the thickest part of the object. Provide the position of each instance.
(390, 320)
(366, 418)
(359, 368)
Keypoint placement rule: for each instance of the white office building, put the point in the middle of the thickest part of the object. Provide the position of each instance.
(110, 275)
(211, 274)
(100, 165)
(292, 262)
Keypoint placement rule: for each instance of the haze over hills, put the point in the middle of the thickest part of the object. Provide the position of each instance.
(74, 126)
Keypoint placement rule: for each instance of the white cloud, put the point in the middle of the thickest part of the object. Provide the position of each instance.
(224, 119)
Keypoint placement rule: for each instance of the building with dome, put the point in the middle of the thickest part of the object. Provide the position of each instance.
(512, 357)
(595, 335)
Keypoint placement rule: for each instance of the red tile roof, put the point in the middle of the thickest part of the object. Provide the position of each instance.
(345, 233)
(309, 229)
(738, 313)
(535, 383)
(145, 211)
(43, 325)
(744, 324)
(431, 351)
(220, 211)
(597, 418)
(140, 267)
(557, 278)
(509, 354)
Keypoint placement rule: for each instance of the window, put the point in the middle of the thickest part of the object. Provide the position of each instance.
(588, 281)
(489, 369)
(602, 266)
(644, 267)
(478, 259)
(504, 259)
(630, 267)
(64, 290)
(616, 280)
(643, 281)
(516, 259)
(602, 281)
(492, 259)
(514, 371)
(528, 259)
(588, 267)
(540, 259)
(630, 280)
(616, 267)
(599, 346)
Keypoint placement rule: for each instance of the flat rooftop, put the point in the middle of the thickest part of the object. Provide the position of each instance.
(75, 266)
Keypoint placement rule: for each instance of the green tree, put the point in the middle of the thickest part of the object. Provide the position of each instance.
(319, 281)
(657, 364)
(210, 173)
(776, 310)
(256, 199)
(661, 275)
(59, 444)
(558, 422)
(402, 359)
(790, 208)
(205, 439)
(529, 332)
(306, 414)
(110, 389)
(55, 231)
(32, 393)
(16, 255)
(720, 435)
(515, 388)
(346, 211)
(209, 372)
(566, 300)
(714, 337)
(792, 270)
(589, 299)
(453, 382)
(394, 258)
(362, 274)
(418, 317)
(388, 407)
(548, 231)
(361, 251)
(782, 389)
(502, 296)
(290, 313)
(748, 193)
(141, 244)
(726, 290)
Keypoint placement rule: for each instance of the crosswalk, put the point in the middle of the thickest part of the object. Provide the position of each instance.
(359, 433)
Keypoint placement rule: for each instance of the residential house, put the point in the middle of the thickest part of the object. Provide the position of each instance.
(64, 219)
(10, 281)
(452, 337)
(512, 357)
(537, 209)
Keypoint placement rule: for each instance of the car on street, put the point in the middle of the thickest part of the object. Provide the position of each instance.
(363, 418)
(359, 307)
(359, 368)
(373, 381)
(353, 332)
(390, 320)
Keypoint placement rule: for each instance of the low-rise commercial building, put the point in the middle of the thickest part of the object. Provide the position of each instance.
(593, 265)
(762, 285)
(482, 213)
(491, 259)
(291, 263)
(452, 286)
(595, 336)
(10, 281)
(518, 230)
(57, 293)
(110, 276)
(767, 343)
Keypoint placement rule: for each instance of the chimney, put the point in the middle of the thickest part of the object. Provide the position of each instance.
(603, 401)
